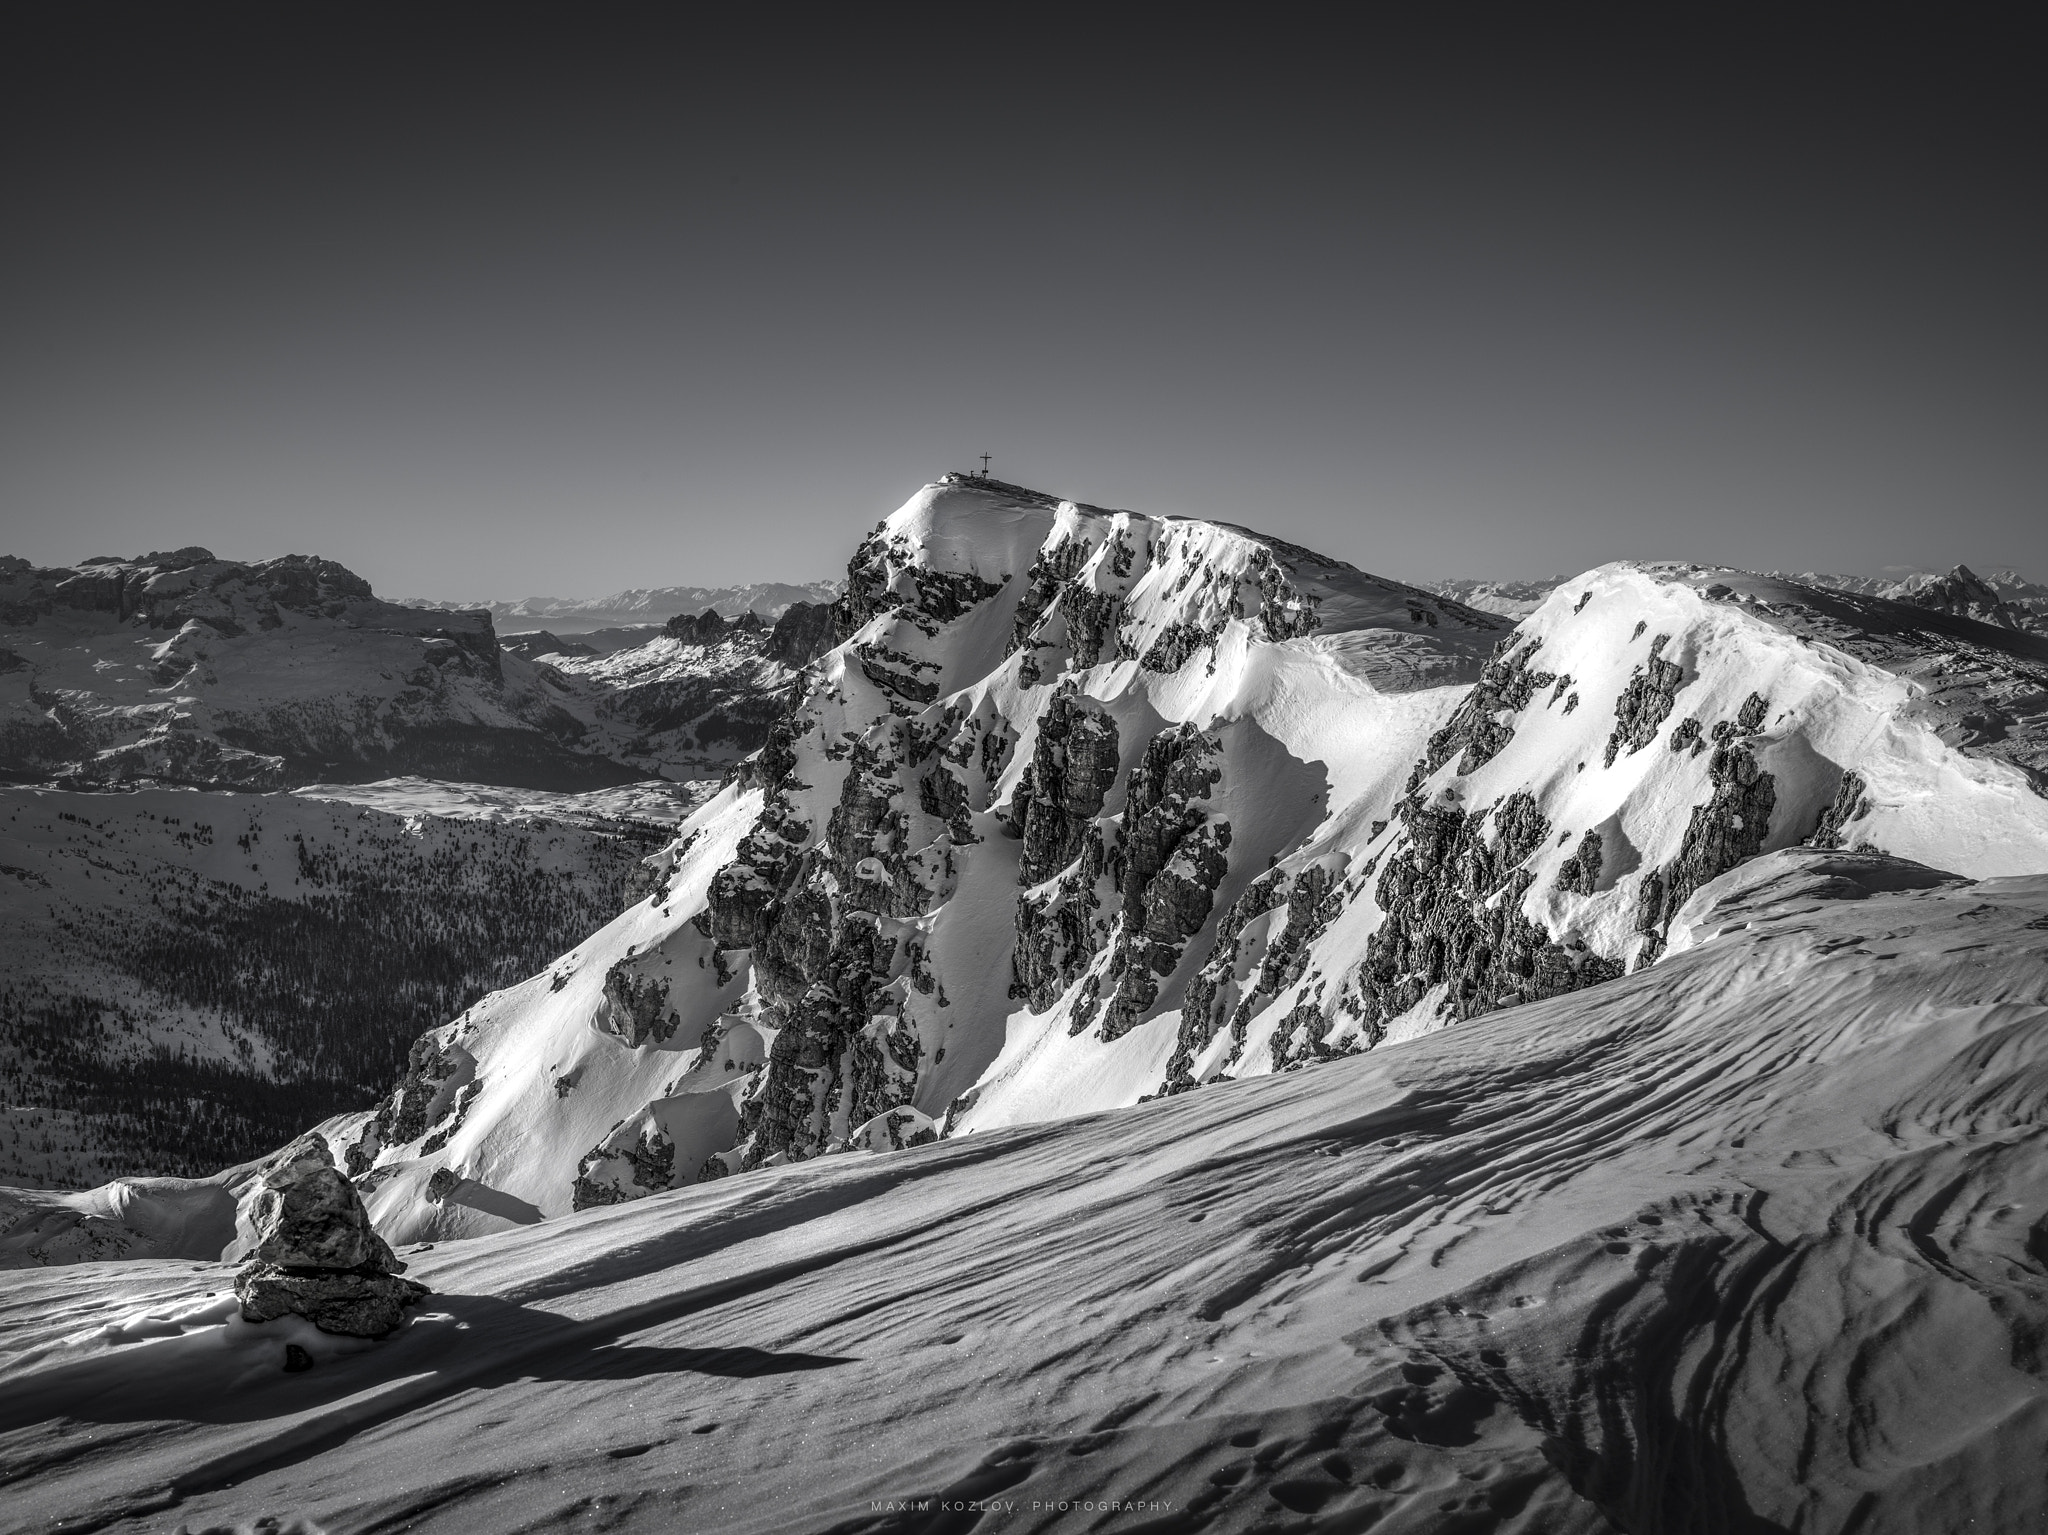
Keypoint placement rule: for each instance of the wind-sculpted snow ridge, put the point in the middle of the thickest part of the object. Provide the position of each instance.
(1088, 807)
(1751, 1240)
(184, 668)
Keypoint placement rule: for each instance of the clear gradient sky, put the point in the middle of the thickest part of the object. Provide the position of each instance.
(502, 300)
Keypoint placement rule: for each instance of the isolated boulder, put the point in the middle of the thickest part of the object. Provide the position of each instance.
(313, 1253)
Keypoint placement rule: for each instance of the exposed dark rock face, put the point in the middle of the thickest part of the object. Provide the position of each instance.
(1580, 873)
(705, 628)
(651, 1156)
(825, 923)
(1171, 857)
(1646, 701)
(1480, 728)
(1852, 803)
(1285, 611)
(1059, 933)
(1452, 903)
(1177, 642)
(436, 1071)
(885, 577)
(897, 673)
(801, 634)
(314, 1254)
(1073, 766)
(1728, 829)
(1313, 897)
(1146, 888)
(1051, 573)
(636, 1007)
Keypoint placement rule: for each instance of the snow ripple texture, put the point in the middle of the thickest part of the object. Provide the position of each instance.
(1752, 1239)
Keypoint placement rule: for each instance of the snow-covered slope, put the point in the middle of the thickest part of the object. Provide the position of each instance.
(644, 605)
(1092, 807)
(188, 977)
(181, 667)
(1751, 1240)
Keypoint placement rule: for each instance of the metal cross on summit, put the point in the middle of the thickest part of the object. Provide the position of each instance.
(984, 466)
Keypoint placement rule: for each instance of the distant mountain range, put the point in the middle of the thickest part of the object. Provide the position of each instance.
(2004, 598)
(180, 667)
(642, 605)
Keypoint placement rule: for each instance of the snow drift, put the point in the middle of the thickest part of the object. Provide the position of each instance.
(1752, 1239)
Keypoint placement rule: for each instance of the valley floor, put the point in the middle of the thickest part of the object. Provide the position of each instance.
(1753, 1240)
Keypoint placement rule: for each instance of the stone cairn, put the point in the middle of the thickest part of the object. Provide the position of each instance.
(315, 1254)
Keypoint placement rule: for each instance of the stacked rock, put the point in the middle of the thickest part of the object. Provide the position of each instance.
(314, 1253)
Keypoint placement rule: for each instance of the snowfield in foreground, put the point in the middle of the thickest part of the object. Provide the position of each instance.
(1753, 1239)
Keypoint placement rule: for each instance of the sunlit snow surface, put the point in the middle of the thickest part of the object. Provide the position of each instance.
(1754, 1239)
(656, 801)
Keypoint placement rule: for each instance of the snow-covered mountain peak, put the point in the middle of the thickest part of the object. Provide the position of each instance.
(1087, 806)
(1116, 587)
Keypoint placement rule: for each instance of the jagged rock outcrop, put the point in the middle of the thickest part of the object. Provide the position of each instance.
(1580, 873)
(1851, 803)
(636, 1006)
(1452, 902)
(1072, 768)
(1171, 856)
(1140, 885)
(1729, 829)
(1481, 727)
(437, 1074)
(647, 1157)
(310, 1251)
(801, 634)
(1233, 986)
(1646, 702)
(705, 628)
